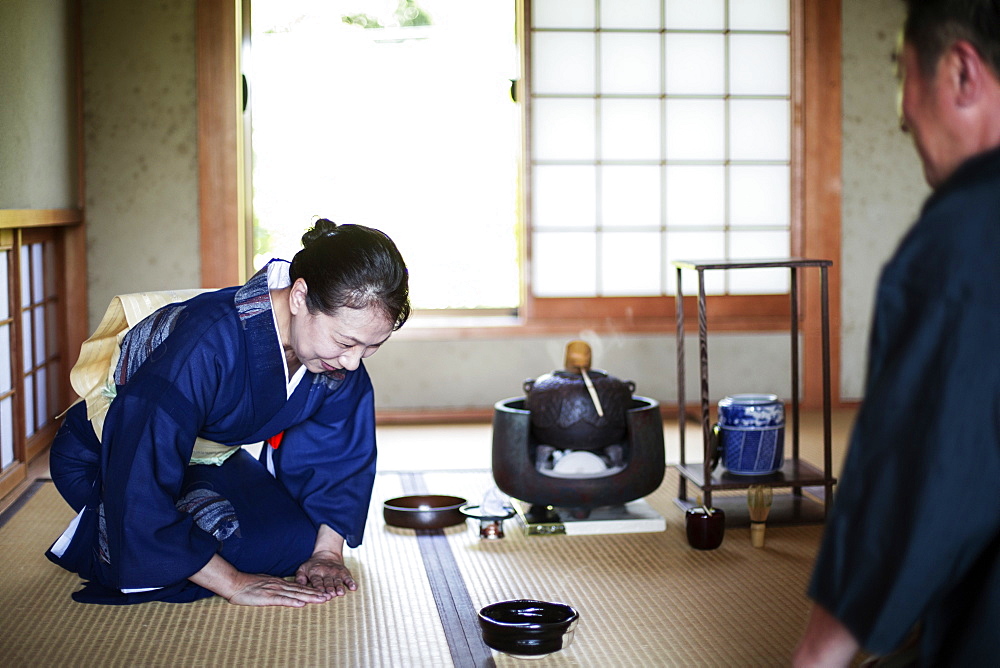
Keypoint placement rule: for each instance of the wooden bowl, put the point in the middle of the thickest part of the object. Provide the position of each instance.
(424, 511)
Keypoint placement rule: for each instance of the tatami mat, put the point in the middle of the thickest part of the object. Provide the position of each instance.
(644, 599)
(390, 621)
(649, 599)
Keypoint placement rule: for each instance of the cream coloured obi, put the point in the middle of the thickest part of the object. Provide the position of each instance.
(92, 377)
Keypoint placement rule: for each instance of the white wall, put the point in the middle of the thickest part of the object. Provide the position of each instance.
(142, 212)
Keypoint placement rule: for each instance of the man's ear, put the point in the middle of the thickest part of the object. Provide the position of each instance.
(297, 296)
(967, 72)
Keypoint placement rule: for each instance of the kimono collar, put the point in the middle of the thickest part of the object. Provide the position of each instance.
(253, 306)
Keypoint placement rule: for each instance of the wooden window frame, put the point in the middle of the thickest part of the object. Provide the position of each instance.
(64, 228)
(816, 121)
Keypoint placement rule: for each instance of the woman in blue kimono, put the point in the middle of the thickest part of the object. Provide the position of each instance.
(170, 506)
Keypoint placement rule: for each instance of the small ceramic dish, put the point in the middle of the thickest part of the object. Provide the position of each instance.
(428, 511)
(476, 513)
(490, 526)
(526, 628)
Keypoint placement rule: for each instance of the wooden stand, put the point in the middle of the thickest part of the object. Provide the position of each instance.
(794, 507)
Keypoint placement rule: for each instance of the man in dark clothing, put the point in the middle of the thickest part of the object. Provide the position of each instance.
(913, 540)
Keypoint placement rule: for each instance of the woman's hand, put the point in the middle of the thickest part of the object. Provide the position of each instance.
(261, 590)
(326, 572)
(325, 569)
(220, 577)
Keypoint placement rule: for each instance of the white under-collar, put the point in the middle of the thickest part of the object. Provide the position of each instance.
(278, 278)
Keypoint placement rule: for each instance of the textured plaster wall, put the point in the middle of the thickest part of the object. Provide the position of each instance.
(38, 138)
(140, 138)
(477, 373)
(883, 181)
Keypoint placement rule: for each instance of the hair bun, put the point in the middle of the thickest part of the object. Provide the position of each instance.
(322, 228)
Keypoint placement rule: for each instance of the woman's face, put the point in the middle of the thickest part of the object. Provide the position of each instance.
(328, 342)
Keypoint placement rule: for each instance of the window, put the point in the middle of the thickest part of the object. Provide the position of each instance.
(33, 388)
(658, 131)
(398, 116)
(7, 376)
(39, 348)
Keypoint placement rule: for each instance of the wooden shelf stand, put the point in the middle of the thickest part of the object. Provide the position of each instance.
(794, 507)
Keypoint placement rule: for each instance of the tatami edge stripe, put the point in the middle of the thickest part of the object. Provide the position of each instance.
(451, 596)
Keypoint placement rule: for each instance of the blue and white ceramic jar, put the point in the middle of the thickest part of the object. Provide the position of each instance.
(752, 433)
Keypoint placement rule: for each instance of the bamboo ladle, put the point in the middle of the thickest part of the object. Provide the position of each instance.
(578, 358)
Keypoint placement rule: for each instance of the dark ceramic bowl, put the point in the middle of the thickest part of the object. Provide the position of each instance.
(424, 512)
(527, 628)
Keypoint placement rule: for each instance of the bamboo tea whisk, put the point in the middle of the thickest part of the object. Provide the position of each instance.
(759, 498)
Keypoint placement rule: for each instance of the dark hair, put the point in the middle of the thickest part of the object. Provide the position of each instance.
(934, 25)
(352, 266)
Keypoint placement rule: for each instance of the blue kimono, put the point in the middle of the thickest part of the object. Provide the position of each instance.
(914, 534)
(210, 368)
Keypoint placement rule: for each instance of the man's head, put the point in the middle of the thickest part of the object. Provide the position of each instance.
(951, 88)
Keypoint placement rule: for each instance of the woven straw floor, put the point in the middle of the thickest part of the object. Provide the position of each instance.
(644, 599)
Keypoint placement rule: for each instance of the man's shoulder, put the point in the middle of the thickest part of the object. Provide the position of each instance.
(949, 246)
(971, 194)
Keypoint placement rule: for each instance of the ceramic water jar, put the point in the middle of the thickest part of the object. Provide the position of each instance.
(751, 433)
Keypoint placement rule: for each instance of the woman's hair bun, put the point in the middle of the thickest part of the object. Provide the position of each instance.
(323, 227)
(352, 266)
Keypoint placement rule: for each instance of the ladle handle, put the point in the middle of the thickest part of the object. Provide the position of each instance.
(578, 358)
(593, 392)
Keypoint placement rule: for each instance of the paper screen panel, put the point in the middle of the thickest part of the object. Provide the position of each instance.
(759, 65)
(696, 129)
(564, 129)
(37, 273)
(630, 129)
(630, 264)
(630, 196)
(696, 195)
(25, 275)
(758, 14)
(760, 195)
(563, 14)
(563, 63)
(760, 130)
(695, 64)
(698, 15)
(28, 401)
(630, 63)
(6, 432)
(564, 196)
(6, 375)
(625, 14)
(565, 264)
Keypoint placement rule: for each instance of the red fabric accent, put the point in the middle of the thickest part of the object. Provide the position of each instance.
(275, 440)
